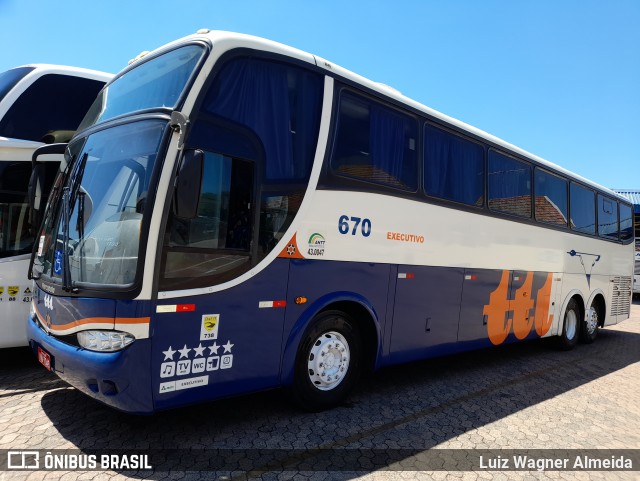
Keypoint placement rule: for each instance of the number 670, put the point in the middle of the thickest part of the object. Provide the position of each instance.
(346, 224)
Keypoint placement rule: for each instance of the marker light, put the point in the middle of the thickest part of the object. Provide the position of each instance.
(104, 341)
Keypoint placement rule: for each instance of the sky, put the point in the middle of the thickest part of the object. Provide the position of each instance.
(560, 79)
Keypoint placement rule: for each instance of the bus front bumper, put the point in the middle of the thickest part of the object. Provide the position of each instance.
(120, 379)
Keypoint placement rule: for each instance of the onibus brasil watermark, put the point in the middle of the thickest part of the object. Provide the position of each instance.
(36, 460)
(338, 459)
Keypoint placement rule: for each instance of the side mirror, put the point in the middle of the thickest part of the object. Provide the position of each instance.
(35, 189)
(189, 184)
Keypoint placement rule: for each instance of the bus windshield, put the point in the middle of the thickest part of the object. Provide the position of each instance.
(157, 83)
(95, 233)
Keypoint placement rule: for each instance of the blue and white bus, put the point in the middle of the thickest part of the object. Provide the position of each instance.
(260, 217)
(39, 104)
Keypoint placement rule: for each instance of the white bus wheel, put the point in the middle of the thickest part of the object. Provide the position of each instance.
(328, 362)
(570, 326)
(589, 326)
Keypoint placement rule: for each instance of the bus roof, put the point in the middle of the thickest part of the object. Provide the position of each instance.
(225, 41)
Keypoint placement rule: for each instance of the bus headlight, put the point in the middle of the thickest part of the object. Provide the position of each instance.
(104, 341)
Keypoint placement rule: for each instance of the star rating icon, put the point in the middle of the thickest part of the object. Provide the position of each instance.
(168, 354)
(199, 350)
(184, 352)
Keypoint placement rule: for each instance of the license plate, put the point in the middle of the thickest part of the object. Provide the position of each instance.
(45, 358)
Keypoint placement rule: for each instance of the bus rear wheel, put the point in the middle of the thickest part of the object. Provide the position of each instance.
(589, 326)
(328, 362)
(570, 326)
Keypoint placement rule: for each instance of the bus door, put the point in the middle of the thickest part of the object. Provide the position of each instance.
(426, 311)
(217, 342)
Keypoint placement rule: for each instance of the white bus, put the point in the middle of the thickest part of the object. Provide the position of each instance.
(39, 104)
(261, 217)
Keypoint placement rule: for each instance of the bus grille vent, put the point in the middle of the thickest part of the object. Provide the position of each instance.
(621, 299)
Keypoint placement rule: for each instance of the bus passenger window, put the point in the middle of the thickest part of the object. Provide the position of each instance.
(280, 104)
(509, 185)
(607, 217)
(376, 144)
(583, 212)
(626, 222)
(551, 198)
(453, 167)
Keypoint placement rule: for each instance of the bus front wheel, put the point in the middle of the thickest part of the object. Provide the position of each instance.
(328, 362)
(570, 326)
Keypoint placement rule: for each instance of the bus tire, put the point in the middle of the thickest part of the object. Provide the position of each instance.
(589, 325)
(570, 326)
(328, 362)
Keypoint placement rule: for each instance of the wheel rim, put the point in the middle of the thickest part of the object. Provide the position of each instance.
(328, 361)
(571, 323)
(592, 320)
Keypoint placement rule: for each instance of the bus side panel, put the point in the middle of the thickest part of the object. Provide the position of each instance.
(15, 296)
(324, 283)
(426, 311)
(479, 284)
(222, 343)
(506, 306)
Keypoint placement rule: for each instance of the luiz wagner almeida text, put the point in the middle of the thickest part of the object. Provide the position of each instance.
(577, 462)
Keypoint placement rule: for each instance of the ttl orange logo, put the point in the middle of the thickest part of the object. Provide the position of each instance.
(527, 311)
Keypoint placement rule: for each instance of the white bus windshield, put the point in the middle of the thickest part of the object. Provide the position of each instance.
(50, 108)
